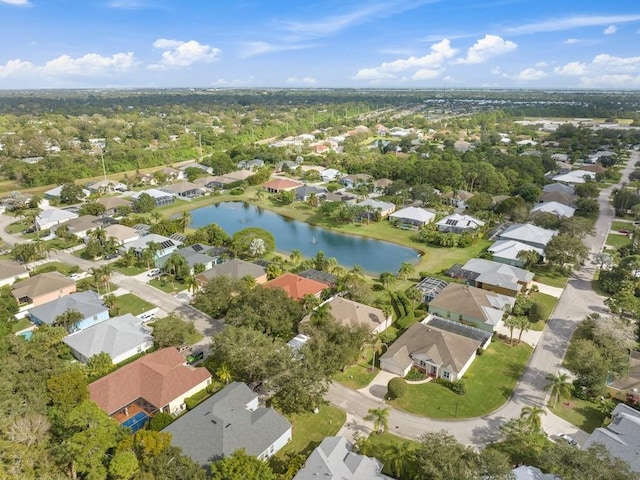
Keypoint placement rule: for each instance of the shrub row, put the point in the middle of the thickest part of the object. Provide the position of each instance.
(456, 387)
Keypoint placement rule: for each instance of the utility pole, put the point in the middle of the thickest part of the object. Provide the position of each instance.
(104, 170)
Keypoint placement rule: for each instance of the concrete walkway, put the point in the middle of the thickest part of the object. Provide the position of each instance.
(548, 290)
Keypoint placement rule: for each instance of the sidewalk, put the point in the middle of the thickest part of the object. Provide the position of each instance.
(548, 290)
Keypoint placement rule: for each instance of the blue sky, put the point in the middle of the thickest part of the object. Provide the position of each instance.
(330, 43)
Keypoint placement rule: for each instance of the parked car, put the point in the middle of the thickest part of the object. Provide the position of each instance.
(195, 357)
(110, 256)
(29, 230)
(146, 316)
(75, 276)
(569, 439)
(154, 272)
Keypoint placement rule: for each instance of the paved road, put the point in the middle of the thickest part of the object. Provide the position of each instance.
(576, 302)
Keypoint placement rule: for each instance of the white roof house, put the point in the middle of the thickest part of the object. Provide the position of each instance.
(330, 174)
(121, 337)
(386, 208)
(52, 217)
(458, 223)
(55, 193)
(413, 215)
(167, 245)
(529, 234)
(555, 208)
(506, 251)
(575, 176)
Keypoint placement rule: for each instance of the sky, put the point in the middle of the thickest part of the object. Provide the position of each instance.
(320, 44)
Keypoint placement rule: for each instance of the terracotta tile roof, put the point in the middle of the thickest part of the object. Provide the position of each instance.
(296, 286)
(159, 378)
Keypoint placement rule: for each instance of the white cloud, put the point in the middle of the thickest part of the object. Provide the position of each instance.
(431, 62)
(427, 74)
(569, 23)
(604, 71)
(127, 4)
(183, 54)
(610, 30)
(487, 47)
(530, 74)
(541, 64)
(236, 82)
(89, 64)
(571, 41)
(303, 81)
(19, 3)
(252, 49)
(15, 68)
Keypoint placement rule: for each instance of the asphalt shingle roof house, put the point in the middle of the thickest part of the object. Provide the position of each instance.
(11, 271)
(350, 313)
(495, 276)
(334, 459)
(157, 381)
(296, 286)
(622, 436)
(230, 420)
(194, 254)
(556, 208)
(234, 269)
(88, 303)
(529, 234)
(458, 223)
(412, 216)
(435, 351)
(506, 251)
(42, 288)
(121, 337)
(472, 306)
(386, 208)
(184, 190)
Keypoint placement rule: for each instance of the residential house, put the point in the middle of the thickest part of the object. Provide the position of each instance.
(166, 246)
(439, 348)
(121, 337)
(495, 276)
(296, 287)
(238, 175)
(11, 272)
(621, 437)
(457, 199)
(556, 208)
(305, 191)
(430, 288)
(356, 180)
(558, 197)
(235, 269)
(196, 254)
(184, 190)
(230, 420)
(88, 303)
(530, 234)
(457, 223)
(112, 204)
(320, 276)
(52, 217)
(506, 251)
(330, 174)
(525, 472)
(42, 288)
(158, 381)
(81, 226)
(121, 233)
(385, 208)
(54, 193)
(173, 174)
(103, 187)
(335, 459)
(350, 313)
(575, 177)
(559, 187)
(286, 165)
(473, 306)
(278, 185)
(381, 184)
(343, 197)
(210, 182)
(628, 384)
(462, 145)
(412, 217)
(161, 198)
(250, 164)
(204, 168)
(297, 342)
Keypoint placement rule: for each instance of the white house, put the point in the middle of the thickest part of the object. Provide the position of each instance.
(52, 217)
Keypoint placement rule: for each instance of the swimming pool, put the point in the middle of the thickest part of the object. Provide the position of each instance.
(136, 422)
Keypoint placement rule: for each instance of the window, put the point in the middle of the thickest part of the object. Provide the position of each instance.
(446, 375)
(422, 364)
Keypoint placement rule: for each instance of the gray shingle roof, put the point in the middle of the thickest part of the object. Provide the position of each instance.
(222, 424)
(88, 303)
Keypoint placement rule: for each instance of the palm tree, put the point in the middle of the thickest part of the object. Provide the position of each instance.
(406, 269)
(152, 249)
(99, 235)
(295, 256)
(377, 346)
(192, 284)
(380, 419)
(309, 302)
(387, 279)
(416, 296)
(156, 216)
(129, 258)
(357, 270)
(185, 220)
(68, 320)
(313, 200)
(321, 315)
(511, 323)
(399, 458)
(259, 194)
(95, 272)
(532, 416)
(559, 386)
(523, 324)
(224, 373)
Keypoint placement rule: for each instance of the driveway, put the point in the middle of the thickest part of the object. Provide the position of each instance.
(576, 301)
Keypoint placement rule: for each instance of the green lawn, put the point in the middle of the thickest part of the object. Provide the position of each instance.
(489, 383)
(129, 303)
(581, 413)
(549, 276)
(309, 429)
(619, 224)
(167, 286)
(616, 240)
(129, 271)
(20, 325)
(382, 444)
(358, 375)
(546, 304)
(63, 268)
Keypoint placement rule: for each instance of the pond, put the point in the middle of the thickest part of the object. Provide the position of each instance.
(374, 256)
